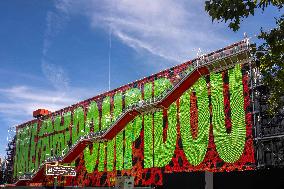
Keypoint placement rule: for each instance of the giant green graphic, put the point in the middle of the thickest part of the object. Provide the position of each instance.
(164, 150)
(230, 146)
(161, 128)
(148, 129)
(195, 149)
(91, 153)
(133, 128)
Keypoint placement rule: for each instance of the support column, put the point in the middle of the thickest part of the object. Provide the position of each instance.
(208, 180)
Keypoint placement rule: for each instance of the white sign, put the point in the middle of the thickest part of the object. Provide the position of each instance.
(60, 170)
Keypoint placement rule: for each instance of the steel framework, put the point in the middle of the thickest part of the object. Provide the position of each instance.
(268, 129)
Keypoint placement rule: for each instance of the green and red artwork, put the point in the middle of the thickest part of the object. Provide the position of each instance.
(208, 128)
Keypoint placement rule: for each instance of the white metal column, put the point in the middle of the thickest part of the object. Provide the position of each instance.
(208, 180)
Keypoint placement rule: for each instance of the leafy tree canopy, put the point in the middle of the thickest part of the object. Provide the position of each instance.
(270, 53)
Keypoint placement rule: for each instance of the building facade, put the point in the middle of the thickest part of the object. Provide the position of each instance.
(196, 116)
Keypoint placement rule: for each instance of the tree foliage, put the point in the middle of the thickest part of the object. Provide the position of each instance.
(270, 53)
(271, 57)
(7, 176)
(236, 10)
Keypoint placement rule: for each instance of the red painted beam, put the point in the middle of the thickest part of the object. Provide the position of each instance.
(39, 175)
(21, 183)
(186, 84)
(72, 155)
(194, 76)
(120, 124)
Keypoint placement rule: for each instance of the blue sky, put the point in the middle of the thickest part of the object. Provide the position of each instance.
(56, 53)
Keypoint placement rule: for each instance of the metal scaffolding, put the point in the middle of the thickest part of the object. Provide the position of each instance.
(268, 129)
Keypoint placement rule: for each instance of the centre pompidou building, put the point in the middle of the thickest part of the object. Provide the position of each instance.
(201, 115)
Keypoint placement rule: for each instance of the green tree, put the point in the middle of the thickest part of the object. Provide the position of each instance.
(270, 53)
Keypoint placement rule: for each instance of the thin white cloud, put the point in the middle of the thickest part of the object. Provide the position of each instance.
(17, 103)
(138, 44)
(55, 22)
(37, 95)
(56, 75)
(171, 29)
